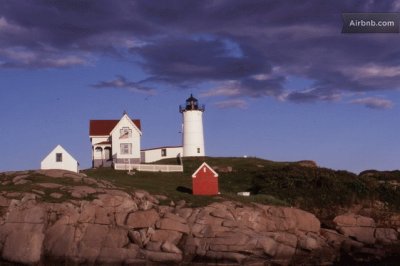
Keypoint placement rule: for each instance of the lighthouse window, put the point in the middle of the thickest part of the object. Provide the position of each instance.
(198, 150)
(126, 148)
(163, 152)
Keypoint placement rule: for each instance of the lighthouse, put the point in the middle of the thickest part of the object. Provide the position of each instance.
(192, 128)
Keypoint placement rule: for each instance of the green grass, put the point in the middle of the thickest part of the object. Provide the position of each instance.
(177, 186)
(275, 183)
(167, 184)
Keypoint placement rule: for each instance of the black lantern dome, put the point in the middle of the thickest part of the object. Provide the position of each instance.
(191, 104)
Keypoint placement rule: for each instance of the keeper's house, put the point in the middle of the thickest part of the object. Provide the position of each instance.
(115, 141)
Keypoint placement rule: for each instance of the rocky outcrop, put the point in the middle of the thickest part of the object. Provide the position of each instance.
(114, 227)
(360, 237)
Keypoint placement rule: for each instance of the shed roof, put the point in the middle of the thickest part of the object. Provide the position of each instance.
(209, 168)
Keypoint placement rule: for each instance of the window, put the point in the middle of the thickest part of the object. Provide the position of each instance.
(58, 157)
(126, 148)
(198, 150)
(163, 152)
(125, 133)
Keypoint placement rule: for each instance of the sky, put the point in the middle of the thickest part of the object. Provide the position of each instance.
(278, 78)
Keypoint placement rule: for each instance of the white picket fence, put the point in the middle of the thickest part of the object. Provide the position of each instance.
(149, 167)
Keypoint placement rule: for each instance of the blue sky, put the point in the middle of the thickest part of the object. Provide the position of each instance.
(279, 80)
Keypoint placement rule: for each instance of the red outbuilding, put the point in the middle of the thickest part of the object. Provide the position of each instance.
(205, 181)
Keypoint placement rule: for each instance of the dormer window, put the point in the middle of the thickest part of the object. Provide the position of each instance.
(125, 133)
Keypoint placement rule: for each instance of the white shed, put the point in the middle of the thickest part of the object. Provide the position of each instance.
(156, 154)
(59, 158)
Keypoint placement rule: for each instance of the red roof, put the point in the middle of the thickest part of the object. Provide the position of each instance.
(137, 123)
(104, 127)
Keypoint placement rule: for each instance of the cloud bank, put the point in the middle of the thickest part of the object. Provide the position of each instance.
(245, 48)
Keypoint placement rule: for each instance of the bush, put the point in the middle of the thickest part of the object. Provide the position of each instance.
(311, 187)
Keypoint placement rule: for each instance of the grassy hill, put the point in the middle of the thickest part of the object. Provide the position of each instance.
(298, 184)
(177, 186)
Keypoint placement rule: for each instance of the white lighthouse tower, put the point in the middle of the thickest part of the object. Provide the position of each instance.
(192, 128)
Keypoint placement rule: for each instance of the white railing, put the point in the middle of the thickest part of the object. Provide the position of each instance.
(149, 167)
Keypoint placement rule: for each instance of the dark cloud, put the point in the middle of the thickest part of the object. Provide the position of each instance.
(186, 60)
(121, 82)
(313, 95)
(251, 47)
